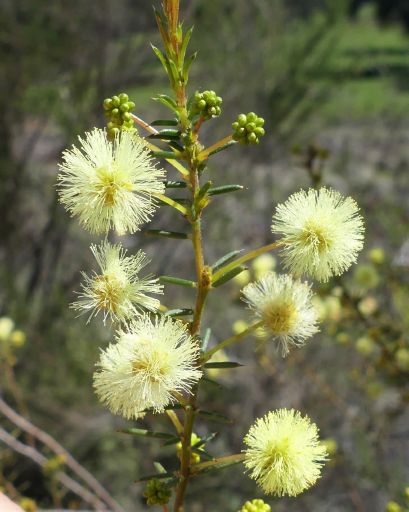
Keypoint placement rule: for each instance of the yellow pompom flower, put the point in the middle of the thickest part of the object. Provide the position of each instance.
(151, 362)
(255, 506)
(284, 454)
(109, 184)
(264, 263)
(284, 306)
(322, 233)
(116, 290)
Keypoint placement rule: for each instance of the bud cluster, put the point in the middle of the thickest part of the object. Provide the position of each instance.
(207, 104)
(117, 110)
(248, 128)
(157, 492)
(255, 506)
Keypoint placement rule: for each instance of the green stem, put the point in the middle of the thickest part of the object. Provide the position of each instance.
(171, 202)
(229, 459)
(225, 343)
(206, 152)
(249, 256)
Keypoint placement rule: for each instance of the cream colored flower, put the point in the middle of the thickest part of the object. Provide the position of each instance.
(109, 184)
(151, 362)
(284, 454)
(322, 233)
(284, 306)
(117, 290)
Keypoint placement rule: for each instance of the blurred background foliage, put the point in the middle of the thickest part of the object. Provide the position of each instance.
(331, 80)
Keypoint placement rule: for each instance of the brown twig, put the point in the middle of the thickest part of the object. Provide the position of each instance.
(63, 478)
(56, 447)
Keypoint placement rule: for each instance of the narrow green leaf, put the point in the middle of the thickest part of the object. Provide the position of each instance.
(186, 67)
(160, 476)
(203, 453)
(179, 312)
(223, 364)
(167, 234)
(167, 101)
(175, 145)
(171, 442)
(229, 275)
(214, 416)
(159, 468)
(146, 433)
(173, 71)
(175, 184)
(215, 467)
(167, 134)
(212, 382)
(222, 148)
(206, 339)
(168, 155)
(225, 189)
(185, 43)
(165, 122)
(177, 281)
(227, 258)
(205, 440)
(164, 60)
(203, 190)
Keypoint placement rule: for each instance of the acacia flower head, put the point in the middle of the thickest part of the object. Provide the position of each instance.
(284, 454)
(151, 362)
(116, 290)
(284, 306)
(322, 233)
(109, 184)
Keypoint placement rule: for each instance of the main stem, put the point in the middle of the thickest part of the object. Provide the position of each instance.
(203, 281)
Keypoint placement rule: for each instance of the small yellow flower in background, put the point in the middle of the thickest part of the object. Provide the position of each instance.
(368, 306)
(239, 326)
(366, 277)
(331, 445)
(243, 278)
(392, 506)
(117, 291)
(402, 359)
(322, 233)
(194, 456)
(28, 505)
(264, 263)
(255, 506)
(109, 184)
(6, 328)
(18, 338)
(285, 308)
(284, 454)
(377, 255)
(151, 362)
(365, 345)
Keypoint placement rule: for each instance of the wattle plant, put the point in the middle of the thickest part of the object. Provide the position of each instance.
(114, 180)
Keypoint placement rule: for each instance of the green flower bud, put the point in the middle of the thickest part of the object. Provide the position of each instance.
(115, 112)
(207, 104)
(127, 117)
(242, 119)
(255, 506)
(124, 107)
(247, 129)
(123, 97)
(107, 104)
(116, 101)
(157, 492)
